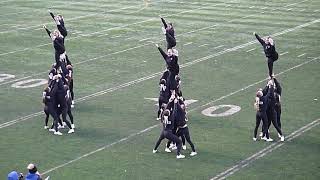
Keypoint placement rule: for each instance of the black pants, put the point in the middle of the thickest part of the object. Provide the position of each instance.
(278, 111)
(171, 137)
(270, 65)
(69, 112)
(171, 41)
(63, 109)
(51, 109)
(47, 113)
(71, 88)
(272, 117)
(184, 132)
(171, 81)
(260, 115)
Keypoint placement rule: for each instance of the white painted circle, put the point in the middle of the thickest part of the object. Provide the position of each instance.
(210, 111)
(4, 77)
(30, 83)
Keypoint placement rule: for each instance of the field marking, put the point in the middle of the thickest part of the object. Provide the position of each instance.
(244, 163)
(101, 13)
(301, 55)
(283, 53)
(105, 30)
(203, 45)
(186, 44)
(251, 49)
(133, 82)
(296, 3)
(97, 32)
(152, 127)
(258, 82)
(69, 20)
(217, 47)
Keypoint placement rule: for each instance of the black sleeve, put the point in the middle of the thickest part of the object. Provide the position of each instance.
(51, 14)
(164, 55)
(48, 32)
(270, 91)
(259, 39)
(61, 46)
(164, 23)
(278, 87)
(265, 90)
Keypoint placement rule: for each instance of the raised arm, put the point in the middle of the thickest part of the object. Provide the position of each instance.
(52, 15)
(259, 39)
(47, 30)
(278, 87)
(164, 55)
(163, 22)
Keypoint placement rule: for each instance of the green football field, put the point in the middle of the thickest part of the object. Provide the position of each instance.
(116, 72)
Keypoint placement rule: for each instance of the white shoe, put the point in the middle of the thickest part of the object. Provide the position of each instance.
(279, 135)
(46, 127)
(72, 126)
(64, 124)
(154, 151)
(71, 131)
(180, 156)
(167, 150)
(264, 138)
(282, 138)
(261, 134)
(164, 31)
(52, 130)
(72, 102)
(184, 147)
(61, 127)
(254, 139)
(174, 147)
(269, 140)
(158, 119)
(193, 153)
(72, 106)
(57, 133)
(171, 145)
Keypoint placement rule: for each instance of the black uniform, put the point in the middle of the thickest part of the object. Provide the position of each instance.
(69, 76)
(167, 132)
(61, 100)
(261, 114)
(173, 67)
(163, 97)
(60, 26)
(51, 104)
(270, 52)
(58, 44)
(171, 40)
(271, 112)
(183, 130)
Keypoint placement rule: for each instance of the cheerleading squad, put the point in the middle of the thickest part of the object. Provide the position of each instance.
(58, 95)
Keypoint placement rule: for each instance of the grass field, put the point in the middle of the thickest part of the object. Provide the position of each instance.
(117, 66)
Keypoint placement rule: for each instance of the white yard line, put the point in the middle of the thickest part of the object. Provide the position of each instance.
(283, 53)
(273, 146)
(218, 47)
(186, 44)
(301, 55)
(152, 127)
(203, 45)
(159, 73)
(99, 32)
(251, 49)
